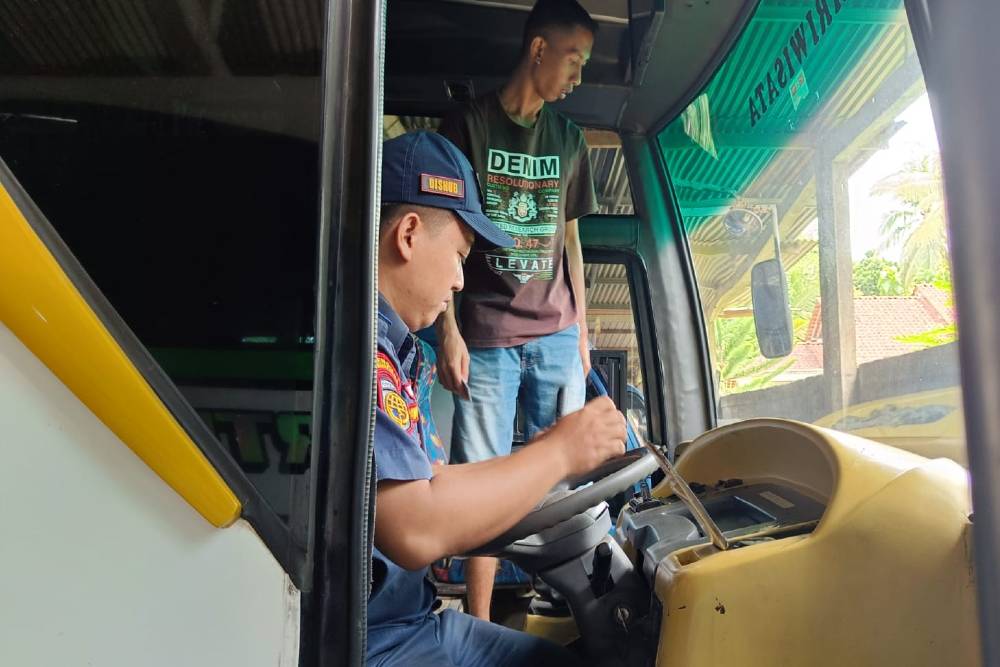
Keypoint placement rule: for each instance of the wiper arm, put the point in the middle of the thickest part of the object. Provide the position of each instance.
(683, 491)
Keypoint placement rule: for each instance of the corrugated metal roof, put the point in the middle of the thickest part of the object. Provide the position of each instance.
(614, 196)
(769, 161)
(610, 319)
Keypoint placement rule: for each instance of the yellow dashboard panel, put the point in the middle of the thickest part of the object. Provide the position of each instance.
(885, 578)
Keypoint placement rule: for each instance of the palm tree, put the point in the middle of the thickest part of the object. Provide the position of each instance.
(919, 220)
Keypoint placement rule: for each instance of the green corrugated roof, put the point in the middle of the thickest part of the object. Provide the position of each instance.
(865, 51)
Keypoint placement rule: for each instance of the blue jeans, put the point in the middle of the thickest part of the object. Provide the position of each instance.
(454, 639)
(545, 373)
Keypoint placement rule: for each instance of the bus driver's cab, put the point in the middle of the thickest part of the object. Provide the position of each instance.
(773, 282)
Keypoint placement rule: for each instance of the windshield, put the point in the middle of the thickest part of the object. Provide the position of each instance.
(817, 129)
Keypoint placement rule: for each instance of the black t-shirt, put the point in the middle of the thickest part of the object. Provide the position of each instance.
(532, 179)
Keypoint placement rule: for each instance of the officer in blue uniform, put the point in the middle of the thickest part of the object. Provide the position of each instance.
(430, 213)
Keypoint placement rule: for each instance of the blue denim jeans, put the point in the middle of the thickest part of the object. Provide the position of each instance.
(454, 639)
(546, 374)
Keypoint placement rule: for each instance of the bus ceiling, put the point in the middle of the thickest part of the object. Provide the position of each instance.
(644, 65)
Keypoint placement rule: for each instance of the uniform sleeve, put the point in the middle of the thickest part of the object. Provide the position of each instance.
(397, 455)
(580, 197)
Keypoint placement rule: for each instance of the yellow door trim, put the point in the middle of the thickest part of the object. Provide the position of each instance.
(43, 308)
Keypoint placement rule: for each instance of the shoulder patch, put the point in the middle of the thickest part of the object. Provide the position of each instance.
(388, 391)
(392, 404)
(386, 371)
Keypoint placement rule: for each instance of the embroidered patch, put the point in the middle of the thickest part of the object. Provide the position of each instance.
(394, 406)
(442, 185)
(389, 390)
(412, 409)
(386, 370)
(394, 395)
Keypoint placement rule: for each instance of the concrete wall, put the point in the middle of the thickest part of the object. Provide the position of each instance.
(807, 400)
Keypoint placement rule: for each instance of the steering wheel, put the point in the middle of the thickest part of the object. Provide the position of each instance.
(571, 498)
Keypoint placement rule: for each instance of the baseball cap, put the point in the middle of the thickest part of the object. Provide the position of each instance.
(425, 169)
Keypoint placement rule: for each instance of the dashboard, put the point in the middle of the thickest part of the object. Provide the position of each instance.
(746, 514)
(843, 551)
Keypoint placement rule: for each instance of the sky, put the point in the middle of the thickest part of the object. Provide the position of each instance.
(916, 138)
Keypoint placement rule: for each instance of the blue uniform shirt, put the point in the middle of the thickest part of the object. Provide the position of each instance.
(400, 599)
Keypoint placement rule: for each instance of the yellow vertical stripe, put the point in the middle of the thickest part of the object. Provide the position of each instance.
(47, 313)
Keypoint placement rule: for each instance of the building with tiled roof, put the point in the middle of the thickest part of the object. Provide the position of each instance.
(879, 323)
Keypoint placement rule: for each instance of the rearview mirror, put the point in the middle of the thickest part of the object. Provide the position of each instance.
(771, 314)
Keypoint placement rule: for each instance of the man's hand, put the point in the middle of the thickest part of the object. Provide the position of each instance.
(584, 349)
(453, 364)
(453, 354)
(493, 494)
(590, 436)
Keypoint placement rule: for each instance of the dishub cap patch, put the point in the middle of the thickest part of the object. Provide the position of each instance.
(442, 185)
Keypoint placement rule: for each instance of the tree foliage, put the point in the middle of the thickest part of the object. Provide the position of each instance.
(803, 291)
(741, 366)
(877, 276)
(933, 338)
(917, 223)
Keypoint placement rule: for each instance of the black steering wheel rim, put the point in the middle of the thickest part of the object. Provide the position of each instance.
(562, 504)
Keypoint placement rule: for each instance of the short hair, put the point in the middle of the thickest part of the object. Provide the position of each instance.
(391, 211)
(547, 15)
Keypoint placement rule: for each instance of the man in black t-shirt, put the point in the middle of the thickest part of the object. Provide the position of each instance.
(520, 331)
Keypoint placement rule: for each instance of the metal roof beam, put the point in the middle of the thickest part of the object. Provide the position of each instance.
(616, 332)
(601, 138)
(779, 140)
(747, 248)
(594, 282)
(895, 94)
(608, 310)
(706, 208)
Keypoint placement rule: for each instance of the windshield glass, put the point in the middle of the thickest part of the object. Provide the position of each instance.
(817, 129)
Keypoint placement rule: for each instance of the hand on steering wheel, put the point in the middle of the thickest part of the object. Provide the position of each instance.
(609, 479)
(573, 496)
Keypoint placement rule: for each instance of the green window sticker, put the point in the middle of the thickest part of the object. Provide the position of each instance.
(798, 89)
